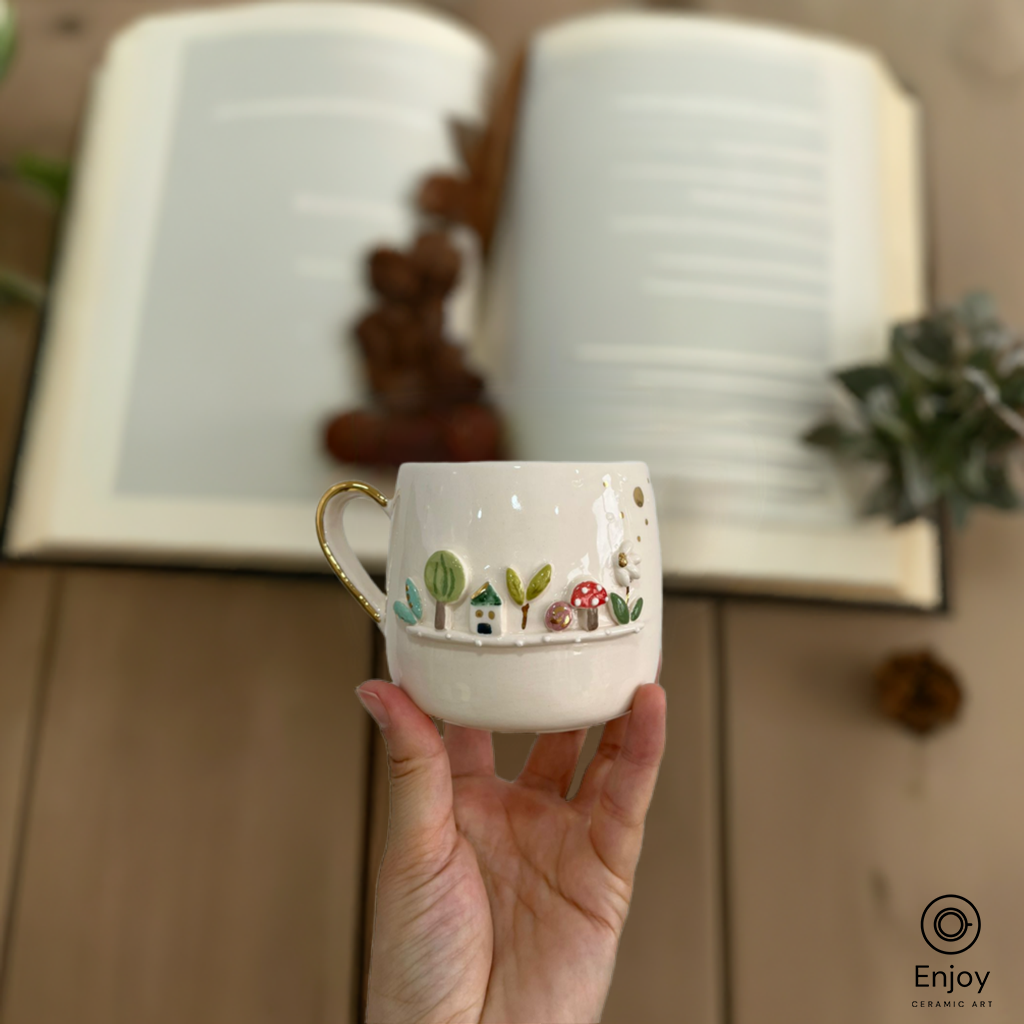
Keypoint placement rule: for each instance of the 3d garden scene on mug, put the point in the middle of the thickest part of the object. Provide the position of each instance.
(511, 511)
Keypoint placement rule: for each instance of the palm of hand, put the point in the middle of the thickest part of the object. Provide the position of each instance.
(556, 910)
(505, 901)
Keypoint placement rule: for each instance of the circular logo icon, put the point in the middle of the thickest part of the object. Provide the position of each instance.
(951, 924)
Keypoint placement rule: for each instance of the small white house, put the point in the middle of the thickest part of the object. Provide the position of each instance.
(486, 612)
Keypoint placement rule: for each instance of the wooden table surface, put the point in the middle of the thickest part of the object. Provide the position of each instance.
(192, 803)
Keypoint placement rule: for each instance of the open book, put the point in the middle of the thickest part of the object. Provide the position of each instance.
(702, 218)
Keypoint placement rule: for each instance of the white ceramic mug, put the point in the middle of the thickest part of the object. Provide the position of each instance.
(521, 596)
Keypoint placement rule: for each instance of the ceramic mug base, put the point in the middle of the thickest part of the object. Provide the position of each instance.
(528, 689)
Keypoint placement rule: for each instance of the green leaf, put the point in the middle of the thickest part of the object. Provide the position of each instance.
(882, 501)
(404, 612)
(18, 290)
(999, 492)
(444, 576)
(638, 607)
(959, 506)
(539, 583)
(978, 310)
(827, 434)
(515, 587)
(841, 441)
(8, 39)
(51, 177)
(919, 485)
(973, 471)
(936, 342)
(412, 597)
(861, 381)
(619, 609)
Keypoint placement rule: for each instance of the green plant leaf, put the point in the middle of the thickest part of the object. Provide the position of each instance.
(827, 434)
(619, 609)
(998, 491)
(405, 613)
(959, 506)
(860, 381)
(50, 177)
(882, 501)
(16, 290)
(515, 587)
(539, 583)
(8, 38)
(444, 576)
(919, 485)
(936, 341)
(978, 310)
(638, 607)
(412, 597)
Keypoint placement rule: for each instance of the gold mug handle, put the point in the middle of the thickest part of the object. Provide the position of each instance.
(345, 562)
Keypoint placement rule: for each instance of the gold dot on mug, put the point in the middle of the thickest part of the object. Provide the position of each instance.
(638, 537)
(638, 497)
(647, 522)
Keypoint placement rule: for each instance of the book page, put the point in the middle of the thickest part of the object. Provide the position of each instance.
(696, 236)
(240, 165)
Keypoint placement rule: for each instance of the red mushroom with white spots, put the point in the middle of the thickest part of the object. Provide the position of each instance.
(587, 598)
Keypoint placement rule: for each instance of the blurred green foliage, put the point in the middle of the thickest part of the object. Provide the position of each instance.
(49, 178)
(942, 415)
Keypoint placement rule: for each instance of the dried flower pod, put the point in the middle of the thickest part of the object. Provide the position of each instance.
(918, 691)
(356, 436)
(403, 391)
(411, 348)
(412, 439)
(430, 315)
(448, 197)
(437, 260)
(375, 338)
(450, 378)
(472, 433)
(393, 275)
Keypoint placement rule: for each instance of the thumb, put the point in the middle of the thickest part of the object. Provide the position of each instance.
(421, 780)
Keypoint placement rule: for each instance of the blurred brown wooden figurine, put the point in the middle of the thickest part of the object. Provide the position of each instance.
(428, 405)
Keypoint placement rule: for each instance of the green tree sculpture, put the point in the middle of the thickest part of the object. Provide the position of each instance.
(446, 580)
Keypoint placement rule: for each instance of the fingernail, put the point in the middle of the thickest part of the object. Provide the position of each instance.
(374, 707)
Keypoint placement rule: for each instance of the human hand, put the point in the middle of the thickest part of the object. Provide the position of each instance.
(503, 901)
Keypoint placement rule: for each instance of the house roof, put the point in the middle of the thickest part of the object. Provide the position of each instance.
(486, 595)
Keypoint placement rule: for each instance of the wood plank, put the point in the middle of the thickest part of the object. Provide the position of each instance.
(25, 599)
(670, 953)
(194, 845)
(844, 827)
(669, 966)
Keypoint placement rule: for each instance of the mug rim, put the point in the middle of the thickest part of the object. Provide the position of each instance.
(523, 462)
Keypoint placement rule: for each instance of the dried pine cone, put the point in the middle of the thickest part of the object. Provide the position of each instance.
(393, 275)
(437, 260)
(918, 691)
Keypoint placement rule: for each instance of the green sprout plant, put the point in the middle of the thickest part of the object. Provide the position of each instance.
(48, 178)
(537, 585)
(941, 415)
